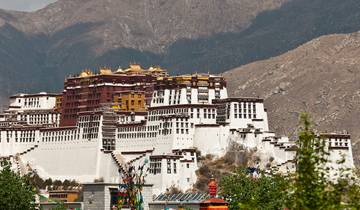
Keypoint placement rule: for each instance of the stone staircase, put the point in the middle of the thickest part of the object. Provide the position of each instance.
(137, 158)
(20, 167)
(29, 150)
(120, 162)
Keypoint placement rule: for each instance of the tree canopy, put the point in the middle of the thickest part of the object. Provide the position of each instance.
(16, 192)
(243, 191)
(308, 188)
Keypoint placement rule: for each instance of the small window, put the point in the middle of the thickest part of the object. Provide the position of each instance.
(174, 168)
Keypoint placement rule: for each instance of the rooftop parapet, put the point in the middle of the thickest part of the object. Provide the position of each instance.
(133, 69)
(239, 99)
(41, 94)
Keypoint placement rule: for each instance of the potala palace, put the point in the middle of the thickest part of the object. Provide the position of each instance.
(103, 121)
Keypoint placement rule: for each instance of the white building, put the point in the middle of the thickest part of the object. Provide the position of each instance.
(40, 101)
(188, 114)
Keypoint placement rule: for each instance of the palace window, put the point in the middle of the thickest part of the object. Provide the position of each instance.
(174, 167)
(168, 166)
(155, 166)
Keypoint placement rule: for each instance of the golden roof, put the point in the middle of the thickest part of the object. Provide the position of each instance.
(105, 71)
(134, 68)
(156, 69)
(86, 73)
(120, 71)
(203, 78)
(183, 78)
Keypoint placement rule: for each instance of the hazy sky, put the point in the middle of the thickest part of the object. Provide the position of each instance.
(24, 5)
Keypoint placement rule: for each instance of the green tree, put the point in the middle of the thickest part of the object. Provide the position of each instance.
(59, 206)
(353, 197)
(36, 181)
(16, 192)
(310, 181)
(245, 192)
(66, 184)
(57, 183)
(48, 182)
(310, 186)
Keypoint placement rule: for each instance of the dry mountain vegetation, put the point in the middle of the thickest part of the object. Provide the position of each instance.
(210, 166)
(321, 77)
(38, 49)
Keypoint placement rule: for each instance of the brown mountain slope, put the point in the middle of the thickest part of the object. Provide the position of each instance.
(38, 49)
(143, 24)
(321, 77)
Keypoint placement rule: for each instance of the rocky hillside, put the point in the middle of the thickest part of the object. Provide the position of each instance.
(37, 50)
(321, 77)
(144, 25)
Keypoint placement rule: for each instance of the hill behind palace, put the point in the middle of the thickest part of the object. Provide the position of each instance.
(321, 77)
(38, 49)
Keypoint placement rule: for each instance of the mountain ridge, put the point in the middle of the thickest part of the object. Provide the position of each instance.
(185, 18)
(320, 77)
(39, 49)
(39, 60)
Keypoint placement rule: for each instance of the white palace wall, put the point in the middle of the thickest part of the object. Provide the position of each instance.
(211, 139)
(182, 118)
